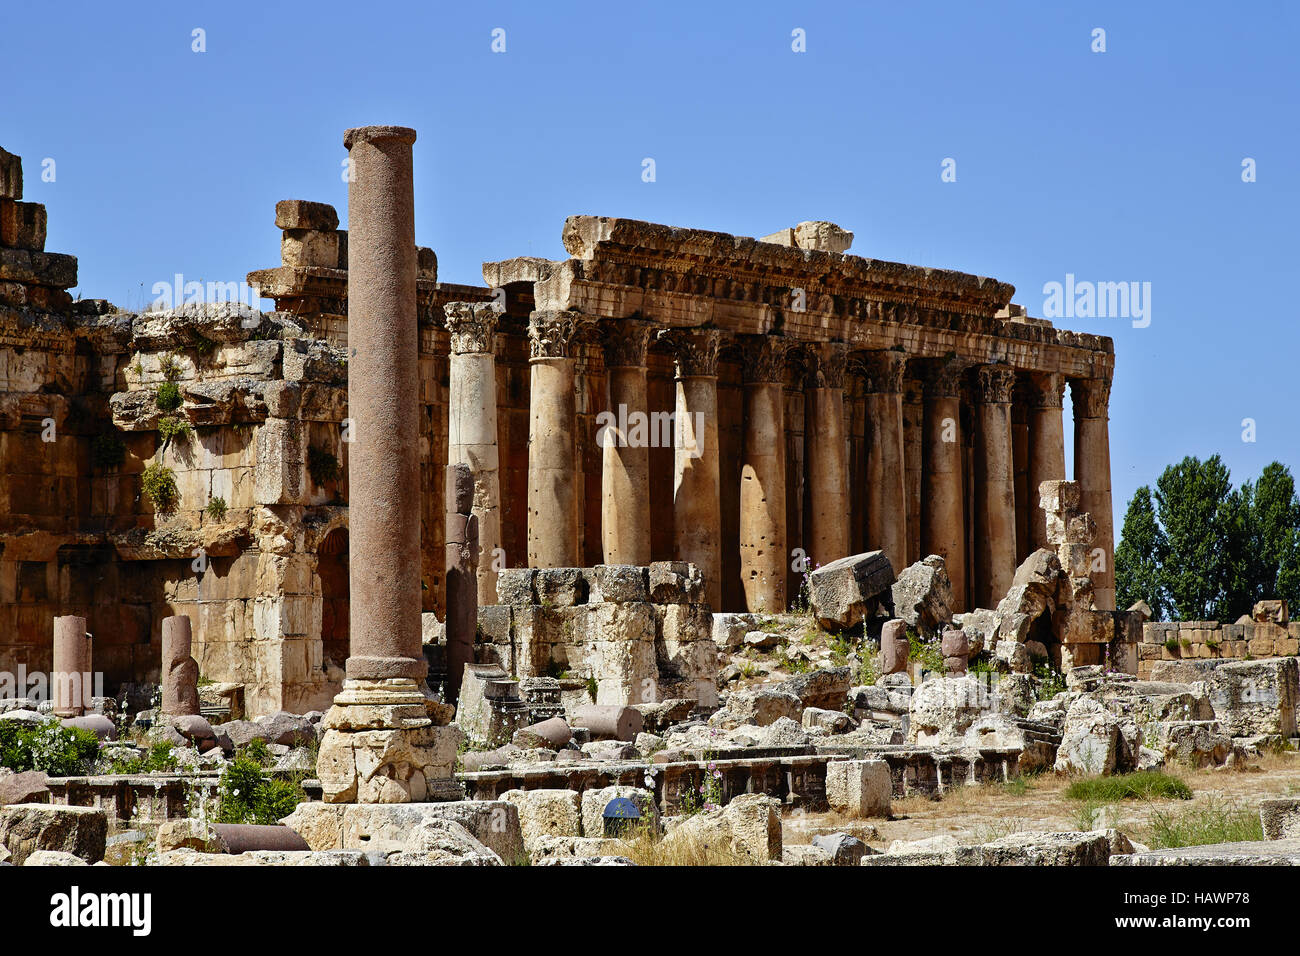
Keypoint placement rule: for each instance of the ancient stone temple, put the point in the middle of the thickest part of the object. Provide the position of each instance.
(755, 407)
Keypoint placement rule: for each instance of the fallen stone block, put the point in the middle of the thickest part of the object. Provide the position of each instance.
(859, 788)
(844, 850)
(29, 827)
(844, 592)
(1089, 740)
(923, 595)
(1280, 818)
(759, 706)
(546, 813)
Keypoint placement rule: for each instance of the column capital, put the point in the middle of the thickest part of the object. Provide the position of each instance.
(763, 358)
(625, 342)
(471, 326)
(1091, 397)
(943, 378)
(1045, 389)
(551, 333)
(828, 365)
(994, 384)
(695, 350)
(882, 371)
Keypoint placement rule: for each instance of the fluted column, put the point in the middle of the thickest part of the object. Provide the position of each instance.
(886, 498)
(552, 441)
(472, 426)
(827, 455)
(1091, 399)
(995, 497)
(763, 552)
(943, 512)
(625, 452)
(1046, 446)
(697, 506)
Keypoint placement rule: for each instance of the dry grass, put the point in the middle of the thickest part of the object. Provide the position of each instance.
(646, 849)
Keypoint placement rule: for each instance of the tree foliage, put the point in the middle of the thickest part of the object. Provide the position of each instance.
(1198, 549)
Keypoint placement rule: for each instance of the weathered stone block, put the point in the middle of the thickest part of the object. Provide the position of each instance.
(22, 225)
(26, 828)
(843, 592)
(859, 788)
(303, 214)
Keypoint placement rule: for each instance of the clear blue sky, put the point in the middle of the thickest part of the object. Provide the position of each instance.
(1115, 166)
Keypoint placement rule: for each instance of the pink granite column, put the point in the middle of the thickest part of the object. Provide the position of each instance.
(70, 682)
(763, 552)
(462, 578)
(886, 468)
(1091, 397)
(827, 456)
(383, 383)
(625, 455)
(553, 491)
(995, 497)
(1046, 446)
(697, 503)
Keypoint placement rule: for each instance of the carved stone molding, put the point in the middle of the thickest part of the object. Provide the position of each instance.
(551, 334)
(695, 350)
(1091, 397)
(472, 326)
(994, 384)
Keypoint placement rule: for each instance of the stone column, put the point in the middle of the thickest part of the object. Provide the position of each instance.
(462, 578)
(886, 470)
(383, 741)
(995, 497)
(472, 425)
(763, 552)
(697, 507)
(943, 513)
(70, 683)
(1020, 466)
(827, 454)
(625, 461)
(1091, 399)
(1046, 446)
(180, 672)
(553, 492)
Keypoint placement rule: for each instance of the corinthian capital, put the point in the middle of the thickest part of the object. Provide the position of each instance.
(551, 334)
(472, 326)
(882, 371)
(695, 350)
(1091, 397)
(625, 342)
(943, 377)
(1046, 389)
(994, 384)
(828, 366)
(763, 358)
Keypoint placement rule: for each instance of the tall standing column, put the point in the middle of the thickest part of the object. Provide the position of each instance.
(553, 497)
(697, 503)
(886, 469)
(943, 513)
(763, 554)
(70, 682)
(385, 737)
(995, 496)
(472, 426)
(827, 456)
(1020, 467)
(625, 452)
(462, 585)
(1091, 397)
(1046, 446)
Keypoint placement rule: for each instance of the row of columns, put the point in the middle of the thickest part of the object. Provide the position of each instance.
(554, 497)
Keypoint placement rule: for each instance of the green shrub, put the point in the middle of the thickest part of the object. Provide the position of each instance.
(1050, 681)
(107, 451)
(1142, 785)
(174, 426)
(257, 751)
(168, 397)
(49, 747)
(323, 466)
(928, 653)
(246, 795)
(159, 758)
(159, 485)
(216, 508)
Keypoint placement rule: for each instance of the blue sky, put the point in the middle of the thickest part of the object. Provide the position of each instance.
(1115, 166)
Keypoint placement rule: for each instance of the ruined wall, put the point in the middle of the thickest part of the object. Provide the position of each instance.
(1210, 640)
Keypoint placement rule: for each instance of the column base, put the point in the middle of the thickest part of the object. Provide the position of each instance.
(387, 741)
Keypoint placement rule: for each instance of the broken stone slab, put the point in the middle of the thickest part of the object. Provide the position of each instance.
(619, 583)
(759, 706)
(729, 630)
(859, 788)
(817, 720)
(1280, 818)
(944, 708)
(304, 214)
(29, 827)
(189, 834)
(826, 688)
(1090, 739)
(923, 595)
(675, 582)
(1255, 697)
(844, 850)
(750, 825)
(28, 786)
(1283, 852)
(443, 842)
(547, 812)
(265, 858)
(845, 591)
(53, 858)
